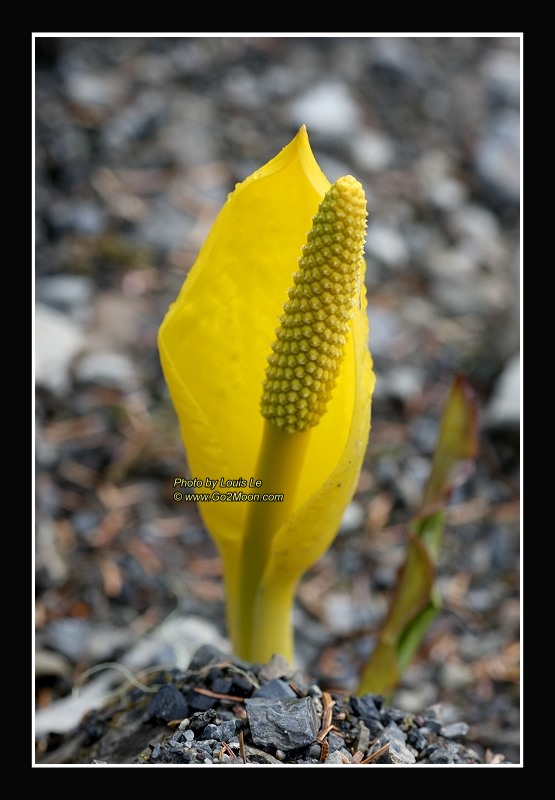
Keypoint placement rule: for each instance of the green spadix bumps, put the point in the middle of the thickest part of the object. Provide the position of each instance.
(310, 344)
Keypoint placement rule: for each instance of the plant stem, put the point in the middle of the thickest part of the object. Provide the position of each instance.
(280, 463)
(272, 630)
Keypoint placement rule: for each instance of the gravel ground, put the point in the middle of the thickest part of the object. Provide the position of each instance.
(222, 711)
(138, 142)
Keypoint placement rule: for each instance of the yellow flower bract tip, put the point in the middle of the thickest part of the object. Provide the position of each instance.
(310, 345)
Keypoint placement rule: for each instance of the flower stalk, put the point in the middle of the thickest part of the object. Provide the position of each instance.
(280, 463)
(301, 374)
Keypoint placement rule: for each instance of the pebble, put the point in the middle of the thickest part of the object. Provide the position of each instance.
(386, 244)
(314, 751)
(343, 614)
(49, 560)
(92, 89)
(372, 151)
(353, 518)
(167, 704)
(58, 340)
(365, 707)
(503, 409)
(335, 742)
(115, 370)
(275, 689)
(328, 110)
(82, 216)
(286, 724)
(222, 732)
(501, 74)
(398, 751)
(447, 754)
(497, 158)
(400, 382)
(68, 636)
(334, 758)
(447, 194)
(474, 226)
(456, 675)
(456, 730)
(72, 294)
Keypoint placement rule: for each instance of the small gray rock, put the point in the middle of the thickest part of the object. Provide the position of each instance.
(66, 293)
(222, 732)
(455, 730)
(501, 74)
(168, 703)
(335, 742)
(314, 750)
(275, 689)
(398, 752)
(206, 654)
(87, 88)
(445, 755)
(69, 636)
(283, 724)
(498, 156)
(334, 758)
(365, 707)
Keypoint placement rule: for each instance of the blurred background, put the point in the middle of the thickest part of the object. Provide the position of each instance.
(137, 143)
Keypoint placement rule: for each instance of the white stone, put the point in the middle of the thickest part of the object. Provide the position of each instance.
(57, 341)
(401, 382)
(372, 151)
(107, 369)
(95, 89)
(386, 244)
(183, 634)
(447, 193)
(504, 406)
(353, 518)
(328, 109)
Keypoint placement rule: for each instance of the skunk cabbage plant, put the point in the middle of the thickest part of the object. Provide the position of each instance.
(265, 355)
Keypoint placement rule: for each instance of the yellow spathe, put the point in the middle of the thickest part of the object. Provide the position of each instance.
(214, 343)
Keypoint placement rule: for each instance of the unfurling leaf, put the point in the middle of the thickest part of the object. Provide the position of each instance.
(415, 600)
